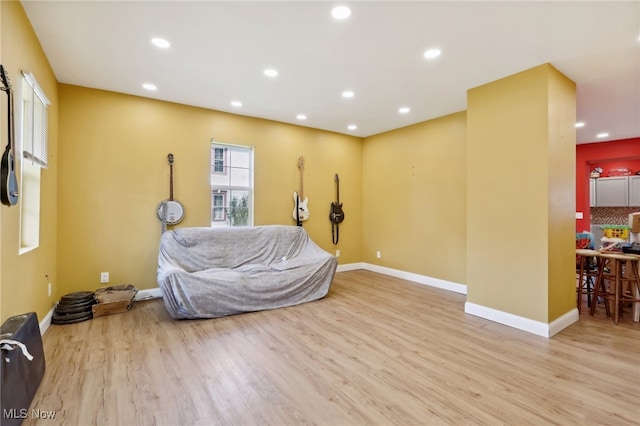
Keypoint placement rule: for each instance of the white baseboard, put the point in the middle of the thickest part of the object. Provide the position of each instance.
(521, 323)
(46, 321)
(150, 293)
(351, 267)
(417, 278)
(563, 321)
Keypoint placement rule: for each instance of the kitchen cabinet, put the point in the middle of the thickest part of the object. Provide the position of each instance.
(618, 191)
(634, 191)
(612, 191)
(592, 192)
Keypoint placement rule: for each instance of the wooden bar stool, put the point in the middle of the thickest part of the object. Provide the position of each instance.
(617, 261)
(587, 276)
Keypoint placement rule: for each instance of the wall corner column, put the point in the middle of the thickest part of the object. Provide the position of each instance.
(521, 201)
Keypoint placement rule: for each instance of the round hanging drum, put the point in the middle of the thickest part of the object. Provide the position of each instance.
(171, 212)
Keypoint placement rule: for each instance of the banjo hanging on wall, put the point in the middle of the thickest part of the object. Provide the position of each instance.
(170, 212)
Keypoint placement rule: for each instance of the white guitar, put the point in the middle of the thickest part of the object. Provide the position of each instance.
(300, 202)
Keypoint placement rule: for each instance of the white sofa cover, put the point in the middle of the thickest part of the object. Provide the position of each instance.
(213, 272)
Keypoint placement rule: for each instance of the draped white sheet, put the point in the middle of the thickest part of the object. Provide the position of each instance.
(213, 272)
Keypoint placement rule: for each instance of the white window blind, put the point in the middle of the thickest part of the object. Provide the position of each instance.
(35, 121)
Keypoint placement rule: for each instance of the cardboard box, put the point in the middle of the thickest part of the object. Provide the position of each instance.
(114, 299)
(634, 222)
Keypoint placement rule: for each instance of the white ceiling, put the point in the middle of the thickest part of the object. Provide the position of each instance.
(219, 51)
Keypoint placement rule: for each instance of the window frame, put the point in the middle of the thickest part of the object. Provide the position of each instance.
(31, 161)
(37, 150)
(221, 208)
(228, 189)
(224, 159)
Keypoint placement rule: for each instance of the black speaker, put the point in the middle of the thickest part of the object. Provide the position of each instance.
(21, 376)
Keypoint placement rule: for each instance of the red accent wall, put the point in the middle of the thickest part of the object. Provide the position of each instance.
(623, 153)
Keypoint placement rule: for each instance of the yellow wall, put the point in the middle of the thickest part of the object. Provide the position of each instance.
(562, 194)
(520, 198)
(114, 150)
(414, 198)
(424, 196)
(23, 286)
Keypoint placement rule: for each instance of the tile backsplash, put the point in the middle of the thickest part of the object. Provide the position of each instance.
(611, 215)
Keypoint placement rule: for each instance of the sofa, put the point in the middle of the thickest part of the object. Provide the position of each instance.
(214, 272)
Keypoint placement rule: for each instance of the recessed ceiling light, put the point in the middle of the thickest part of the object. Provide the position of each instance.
(236, 104)
(160, 42)
(149, 86)
(270, 72)
(580, 124)
(432, 53)
(352, 127)
(301, 117)
(404, 110)
(602, 135)
(341, 12)
(348, 94)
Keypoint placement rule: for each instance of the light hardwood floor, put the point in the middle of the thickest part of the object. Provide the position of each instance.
(376, 351)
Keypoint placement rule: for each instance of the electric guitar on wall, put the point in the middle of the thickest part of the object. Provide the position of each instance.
(300, 202)
(8, 180)
(170, 212)
(336, 215)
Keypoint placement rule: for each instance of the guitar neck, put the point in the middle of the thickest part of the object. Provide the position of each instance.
(301, 186)
(12, 140)
(301, 168)
(7, 88)
(170, 181)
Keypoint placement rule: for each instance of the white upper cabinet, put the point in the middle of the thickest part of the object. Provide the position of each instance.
(612, 191)
(618, 191)
(634, 191)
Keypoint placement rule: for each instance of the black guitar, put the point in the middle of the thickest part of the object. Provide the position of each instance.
(8, 180)
(336, 215)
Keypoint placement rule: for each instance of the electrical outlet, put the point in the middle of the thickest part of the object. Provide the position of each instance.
(378, 254)
(49, 289)
(104, 277)
(337, 253)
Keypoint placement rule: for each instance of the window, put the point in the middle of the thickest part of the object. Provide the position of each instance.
(35, 124)
(218, 159)
(231, 185)
(218, 206)
(34, 148)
